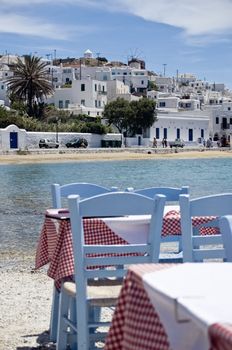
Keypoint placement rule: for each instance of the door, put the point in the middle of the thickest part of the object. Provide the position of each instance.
(190, 134)
(13, 140)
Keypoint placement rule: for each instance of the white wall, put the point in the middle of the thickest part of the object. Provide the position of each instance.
(174, 121)
(30, 139)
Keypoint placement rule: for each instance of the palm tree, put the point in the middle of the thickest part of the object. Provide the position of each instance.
(30, 83)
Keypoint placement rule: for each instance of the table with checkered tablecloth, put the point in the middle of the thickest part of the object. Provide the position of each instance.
(55, 241)
(136, 324)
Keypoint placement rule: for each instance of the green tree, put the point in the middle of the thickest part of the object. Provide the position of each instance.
(30, 83)
(144, 115)
(130, 117)
(152, 86)
(118, 113)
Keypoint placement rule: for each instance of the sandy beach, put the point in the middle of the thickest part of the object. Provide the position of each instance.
(25, 299)
(25, 294)
(111, 155)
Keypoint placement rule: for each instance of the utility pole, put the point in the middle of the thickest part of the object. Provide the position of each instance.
(164, 64)
(80, 68)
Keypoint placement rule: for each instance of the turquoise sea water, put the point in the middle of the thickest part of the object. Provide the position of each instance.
(25, 189)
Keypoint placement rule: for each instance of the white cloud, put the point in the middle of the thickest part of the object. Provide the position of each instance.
(195, 17)
(205, 19)
(17, 24)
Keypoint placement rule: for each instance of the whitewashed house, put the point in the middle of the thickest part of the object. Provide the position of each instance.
(90, 95)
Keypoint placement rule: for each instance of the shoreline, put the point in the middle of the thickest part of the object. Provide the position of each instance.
(55, 156)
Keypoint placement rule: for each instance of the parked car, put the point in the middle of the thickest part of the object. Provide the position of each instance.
(46, 143)
(176, 143)
(77, 143)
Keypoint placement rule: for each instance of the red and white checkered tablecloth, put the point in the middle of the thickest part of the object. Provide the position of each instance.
(136, 324)
(220, 336)
(172, 225)
(55, 242)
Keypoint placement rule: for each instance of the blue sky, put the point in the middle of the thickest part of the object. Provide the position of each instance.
(191, 36)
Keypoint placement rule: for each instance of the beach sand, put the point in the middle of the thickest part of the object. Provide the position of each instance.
(62, 156)
(25, 299)
(25, 294)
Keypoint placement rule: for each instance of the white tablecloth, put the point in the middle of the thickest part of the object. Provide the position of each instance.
(134, 228)
(190, 297)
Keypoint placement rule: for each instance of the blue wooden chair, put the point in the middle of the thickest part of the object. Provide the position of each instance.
(198, 247)
(172, 195)
(60, 195)
(83, 189)
(225, 225)
(81, 294)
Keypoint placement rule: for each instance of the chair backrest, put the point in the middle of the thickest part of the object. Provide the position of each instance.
(197, 246)
(111, 260)
(171, 193)
(225, 225)
(113, 204)
(83, 189)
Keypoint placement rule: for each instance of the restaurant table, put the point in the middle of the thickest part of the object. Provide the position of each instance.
(174, 306)
(55, 241)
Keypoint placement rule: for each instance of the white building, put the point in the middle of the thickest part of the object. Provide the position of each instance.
(189, 126)
(90, 95)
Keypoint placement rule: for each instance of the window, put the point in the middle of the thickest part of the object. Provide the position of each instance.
(2, 87)
(217, 120)
(188, 105)
(113, 73)
(67, 103)
(142, 82)
(165, 133)
(103, 88)
(162, 104)
(95, 87)
(60, 104)
(229, 108)
(95, 103)
(178, 133)
(99, 103)
(230, 120)
(157, 133)
(82, 87)
(202, 133)
(125, 73)
(190, 134)
(83, 102)
(88, 112)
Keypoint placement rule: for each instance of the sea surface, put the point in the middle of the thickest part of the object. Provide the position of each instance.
(25, 189)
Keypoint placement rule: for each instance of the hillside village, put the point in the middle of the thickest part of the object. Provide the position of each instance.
(187, 108)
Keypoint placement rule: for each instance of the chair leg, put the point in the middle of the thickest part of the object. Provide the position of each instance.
(72, 338)
(54, 315)
(62, 334)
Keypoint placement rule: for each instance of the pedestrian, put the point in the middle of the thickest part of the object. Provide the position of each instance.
(154, 142)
